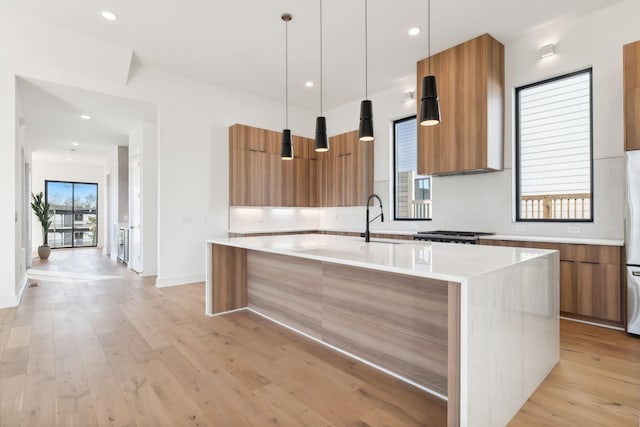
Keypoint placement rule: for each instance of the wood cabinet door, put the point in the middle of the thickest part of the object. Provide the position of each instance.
(348, 171)
(301, 178)
(568, 288)
(631, 62)
(470, 82)
(599, 291)
(246, 186)
(632, 119)
(364, 173)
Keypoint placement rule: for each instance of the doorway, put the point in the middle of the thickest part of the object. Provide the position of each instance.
(74, 206)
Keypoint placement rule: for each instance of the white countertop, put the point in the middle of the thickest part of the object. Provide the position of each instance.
(332, 229)
(442, 261)
(513, 237)
(573, 240)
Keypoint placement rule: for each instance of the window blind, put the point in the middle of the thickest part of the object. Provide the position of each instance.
(555, 136)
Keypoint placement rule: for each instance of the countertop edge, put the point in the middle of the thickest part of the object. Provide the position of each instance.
(396, 270)
(512, 237)
(550, 239)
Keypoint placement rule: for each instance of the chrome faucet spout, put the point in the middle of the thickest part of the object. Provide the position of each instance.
(367, 237)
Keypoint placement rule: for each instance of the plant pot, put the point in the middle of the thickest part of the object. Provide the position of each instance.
(44, 251)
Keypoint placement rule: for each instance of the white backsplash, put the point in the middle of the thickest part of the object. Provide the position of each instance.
(269, 219)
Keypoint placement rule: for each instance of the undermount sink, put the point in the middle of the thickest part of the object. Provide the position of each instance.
(385, 242)
(388, 241)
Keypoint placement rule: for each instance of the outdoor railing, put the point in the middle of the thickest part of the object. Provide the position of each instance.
(556, 206)
(421, 208)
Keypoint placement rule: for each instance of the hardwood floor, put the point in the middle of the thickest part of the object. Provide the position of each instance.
(94, 344)
(121, 352)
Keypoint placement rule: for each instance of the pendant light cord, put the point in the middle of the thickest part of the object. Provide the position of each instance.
(321, 57)
(366, 52)
(429, 33)
(286, 74)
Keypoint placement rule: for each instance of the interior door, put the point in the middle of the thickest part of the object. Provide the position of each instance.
(135, 216)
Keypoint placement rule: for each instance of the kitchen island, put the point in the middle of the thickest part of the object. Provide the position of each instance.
(474, 325)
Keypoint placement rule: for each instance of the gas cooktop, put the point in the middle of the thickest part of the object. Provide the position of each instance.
(450, 236)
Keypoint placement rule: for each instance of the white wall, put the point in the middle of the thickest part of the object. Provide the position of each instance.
(22, 201)
(111, 202)
(193, 121)
(43, 169)
(143, 145)
(123, 184)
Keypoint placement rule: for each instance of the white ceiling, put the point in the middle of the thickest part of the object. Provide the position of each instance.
(240, 44)
(52, 112)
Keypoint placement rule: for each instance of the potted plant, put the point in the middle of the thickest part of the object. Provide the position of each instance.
(41, 210)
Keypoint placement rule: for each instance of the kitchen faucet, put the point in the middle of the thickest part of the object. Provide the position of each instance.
(381, 216)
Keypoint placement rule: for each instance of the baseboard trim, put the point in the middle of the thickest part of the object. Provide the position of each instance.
(14, 301)
(586, 322)
(165, 282)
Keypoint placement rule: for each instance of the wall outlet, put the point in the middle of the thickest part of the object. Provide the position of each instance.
(521, 228)
(574, 229)
(187, 220)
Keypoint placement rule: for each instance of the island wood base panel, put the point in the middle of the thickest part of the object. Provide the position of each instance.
(400, 323)
(229, 278)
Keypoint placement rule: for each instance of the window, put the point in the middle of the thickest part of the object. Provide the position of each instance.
(554, 157)
(75, 219)
(412, 191)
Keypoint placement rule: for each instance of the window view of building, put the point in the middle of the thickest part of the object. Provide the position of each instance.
(75, 214)
(554, 149)
(412, 191)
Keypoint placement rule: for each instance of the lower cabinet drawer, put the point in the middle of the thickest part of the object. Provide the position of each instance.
(598, 288)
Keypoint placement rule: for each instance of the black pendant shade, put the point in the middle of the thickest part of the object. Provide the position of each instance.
(365, 132)
(429, 107)
(322, 142)
(286, 152)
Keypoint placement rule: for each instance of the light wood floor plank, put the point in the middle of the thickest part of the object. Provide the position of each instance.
(12, 400)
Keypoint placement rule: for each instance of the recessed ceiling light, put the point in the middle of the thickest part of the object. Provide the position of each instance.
(414, 31)
(109, 16)
(85, 117)
(75, 144)
(309, 84)
(69, 158)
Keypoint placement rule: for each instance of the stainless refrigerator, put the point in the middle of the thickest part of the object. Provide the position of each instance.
(632, 241)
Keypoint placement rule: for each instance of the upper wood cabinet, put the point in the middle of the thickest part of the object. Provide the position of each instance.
(470, 136)
(257, 174)
(631, 55)
(346, 171)
(259, 177)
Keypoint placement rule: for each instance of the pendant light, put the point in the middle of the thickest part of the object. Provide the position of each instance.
(365, 132)
(322, 142)
(286, 153)
(429, 107)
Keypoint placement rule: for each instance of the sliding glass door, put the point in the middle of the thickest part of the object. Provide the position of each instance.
(75, 213)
